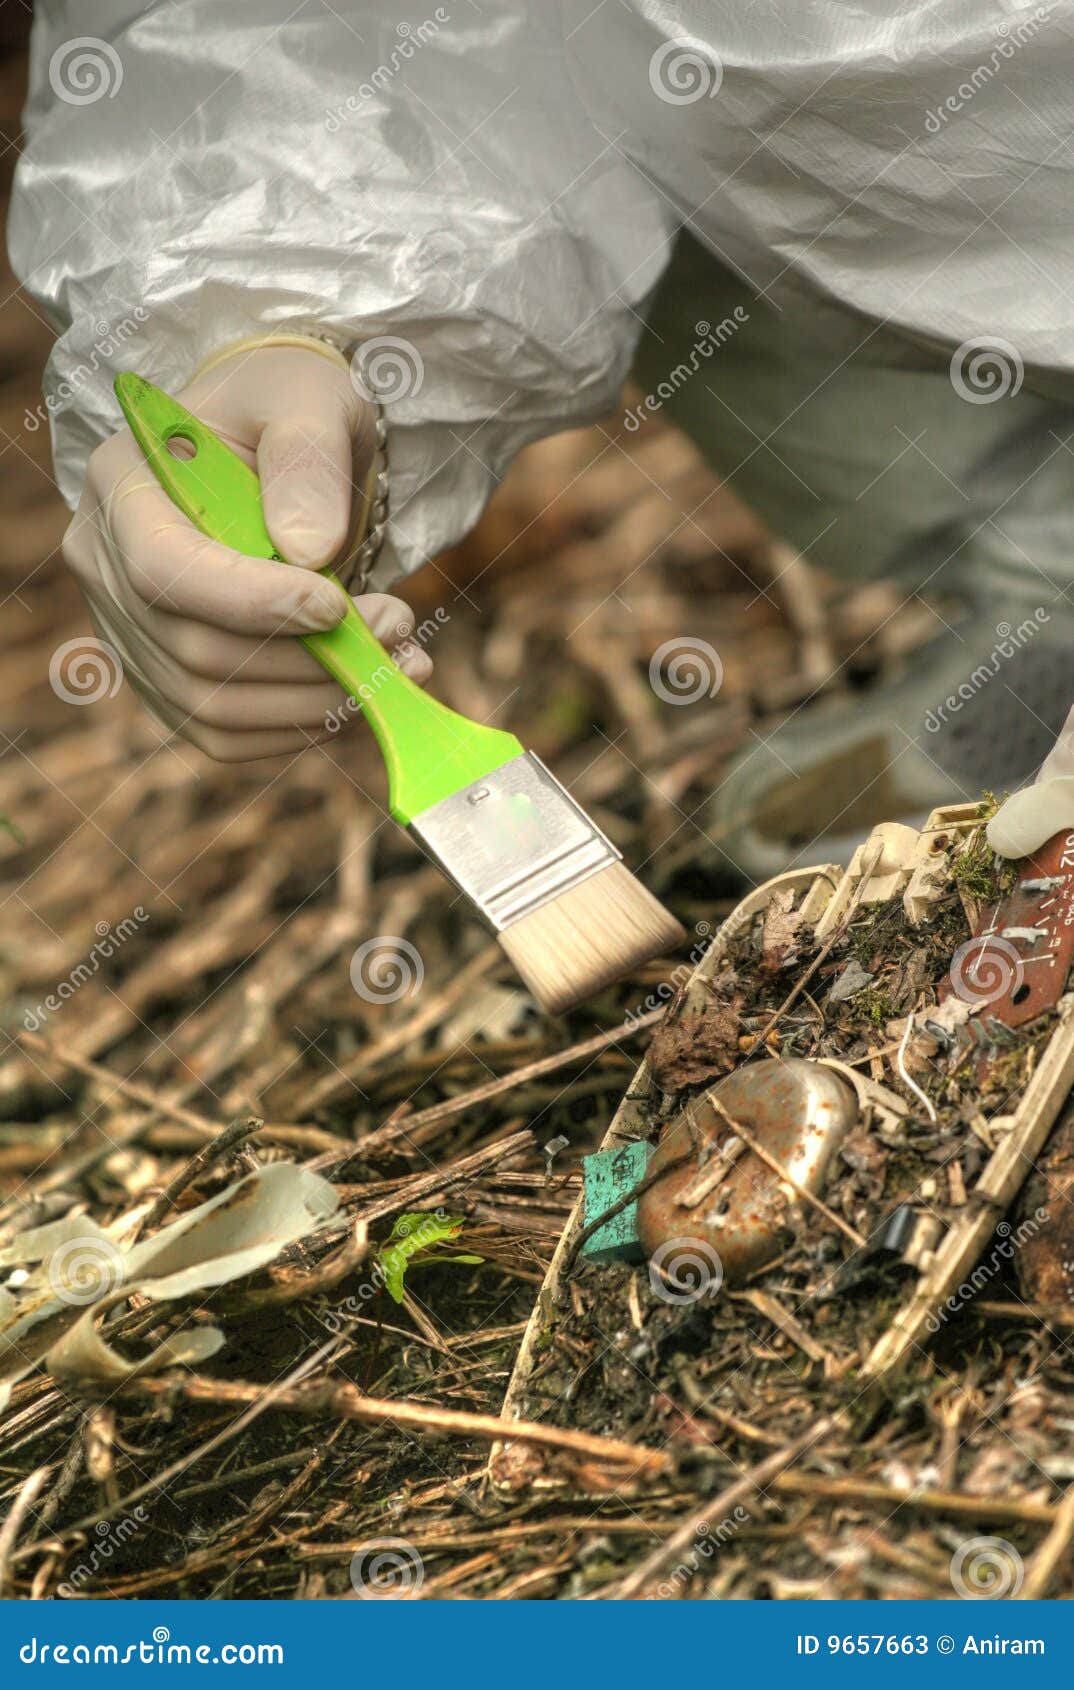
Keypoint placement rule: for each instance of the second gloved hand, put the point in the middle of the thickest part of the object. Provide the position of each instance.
(205, 634)
(1026, 820)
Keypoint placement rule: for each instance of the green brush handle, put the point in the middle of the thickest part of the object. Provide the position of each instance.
(430, 751)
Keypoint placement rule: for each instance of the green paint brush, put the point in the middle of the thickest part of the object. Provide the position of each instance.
(564, 907)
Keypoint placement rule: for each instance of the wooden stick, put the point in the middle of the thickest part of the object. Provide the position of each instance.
(422, 1186)
(1055, 1548)
(698, 1521)
(129, 1088)
(998, 1508)
(65, 1483)
(371, 1056)
(444, 1111)
(16, 1514)
(772, 1309)
(1018, 1311)
(448, 1537)
(225, 1141)
(346, 1402)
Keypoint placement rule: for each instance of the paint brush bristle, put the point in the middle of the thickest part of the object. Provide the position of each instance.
(588, 936)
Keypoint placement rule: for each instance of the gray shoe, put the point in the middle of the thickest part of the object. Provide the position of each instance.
(976, 711)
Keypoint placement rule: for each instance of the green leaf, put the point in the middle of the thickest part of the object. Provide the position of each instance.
(416, 1238)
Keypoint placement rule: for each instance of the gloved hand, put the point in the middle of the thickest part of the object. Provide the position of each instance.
(1028, 818)
(205, 634)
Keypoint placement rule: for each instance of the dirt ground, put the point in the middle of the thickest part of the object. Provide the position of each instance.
(226, 1013)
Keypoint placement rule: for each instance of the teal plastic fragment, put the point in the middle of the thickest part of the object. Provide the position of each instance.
(608, 1176)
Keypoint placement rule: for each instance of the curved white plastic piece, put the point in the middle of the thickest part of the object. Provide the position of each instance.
(1021, 825)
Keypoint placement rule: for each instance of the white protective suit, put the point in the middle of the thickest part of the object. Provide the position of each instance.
(485, 196)
(498, 187)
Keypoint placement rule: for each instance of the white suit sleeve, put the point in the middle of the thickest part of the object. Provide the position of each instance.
(205, 171)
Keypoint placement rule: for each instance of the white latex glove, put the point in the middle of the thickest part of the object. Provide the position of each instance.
(1030, 817)
(205, 634)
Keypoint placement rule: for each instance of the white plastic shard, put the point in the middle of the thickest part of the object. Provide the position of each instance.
(39, 1242)
(235, 1232)
(83, 1357)
(77, 1270)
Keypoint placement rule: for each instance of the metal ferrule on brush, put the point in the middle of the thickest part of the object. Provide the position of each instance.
(513, 841)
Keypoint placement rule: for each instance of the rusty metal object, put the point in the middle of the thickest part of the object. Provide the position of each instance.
(725, 1196)
(1014, 968)
(1016, 964)
(1040, 1242)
